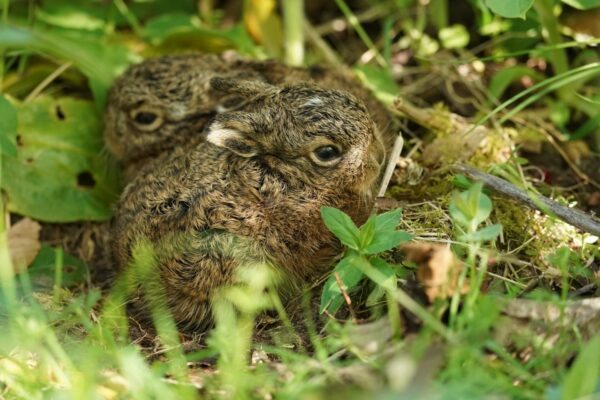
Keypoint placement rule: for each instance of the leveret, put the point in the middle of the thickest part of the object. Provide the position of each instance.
(251, 193)
(163, 103)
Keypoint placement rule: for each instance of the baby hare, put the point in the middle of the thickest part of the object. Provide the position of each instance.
(164, 103)
(251, 193)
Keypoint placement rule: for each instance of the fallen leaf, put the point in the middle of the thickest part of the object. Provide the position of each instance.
(24, 243)
(438, 271)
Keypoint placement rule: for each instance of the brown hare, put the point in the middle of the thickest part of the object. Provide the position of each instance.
(251, 193)
(164, 103)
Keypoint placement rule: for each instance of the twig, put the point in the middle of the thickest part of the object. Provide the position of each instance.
(389, 169)
(345, 295)
(571, 216)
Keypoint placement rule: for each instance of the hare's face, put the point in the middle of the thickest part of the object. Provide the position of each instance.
(324, 138)
(153, 104)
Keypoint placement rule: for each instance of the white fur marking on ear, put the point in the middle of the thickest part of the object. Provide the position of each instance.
(313, 101)
(217, 135)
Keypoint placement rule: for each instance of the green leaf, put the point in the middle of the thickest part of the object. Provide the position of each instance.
(171, 37)
(582, 4)
(470, 208)
(583, 379)
(379, 81)
(58, 174)
(454, 37)
(98, 61)
(41, 271)
(8, 127)
(485, 234)
(509, 8)
(388, 221)
(381, 232)
(332, 298)
(342, 226)
(386, 241)
(367, 233)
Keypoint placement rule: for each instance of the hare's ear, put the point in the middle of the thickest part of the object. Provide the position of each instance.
(231, 139)
(242, 87)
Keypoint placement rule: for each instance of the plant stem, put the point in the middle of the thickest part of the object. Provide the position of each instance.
(5, 5)
(293, 19)
(360, 31)
(558, 57)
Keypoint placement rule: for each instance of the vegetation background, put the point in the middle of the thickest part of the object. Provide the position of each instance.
(510, 87)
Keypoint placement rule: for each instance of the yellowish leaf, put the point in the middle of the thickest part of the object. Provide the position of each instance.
(23, 243)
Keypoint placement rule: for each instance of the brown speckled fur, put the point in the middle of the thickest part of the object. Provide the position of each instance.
(209, 209)
(177, 87)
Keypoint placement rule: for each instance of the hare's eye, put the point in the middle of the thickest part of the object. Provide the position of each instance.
(326, 156)
(147, 120)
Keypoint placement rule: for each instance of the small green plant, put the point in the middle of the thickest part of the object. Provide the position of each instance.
(377, 235)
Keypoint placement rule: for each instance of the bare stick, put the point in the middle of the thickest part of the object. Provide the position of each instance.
(574, 217)
(389, 170)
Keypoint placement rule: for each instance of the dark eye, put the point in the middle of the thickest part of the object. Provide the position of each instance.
(145, 118)
(326, 156)
(327, 153)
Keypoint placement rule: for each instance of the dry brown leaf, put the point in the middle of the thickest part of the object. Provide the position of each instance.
(439, 268)
(24, 243)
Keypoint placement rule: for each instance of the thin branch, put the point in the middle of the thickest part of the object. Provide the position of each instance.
(573, 217)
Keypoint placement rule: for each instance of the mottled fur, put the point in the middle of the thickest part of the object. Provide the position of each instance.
(177, 89)
(251, 193)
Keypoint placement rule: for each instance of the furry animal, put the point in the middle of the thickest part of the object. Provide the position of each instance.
(164, 103)
(250, 193)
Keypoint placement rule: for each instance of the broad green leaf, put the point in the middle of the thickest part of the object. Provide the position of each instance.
(58, 174)
(386, 241)
(96, 59)
(484, 234)
(158, 28)
(8, 127)
(454, 37)
(183, 38)
(509, 8)
(342, 226)
(582, 4)
(388, 221)
(332, 299)
(583, 378)
(390, 273)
